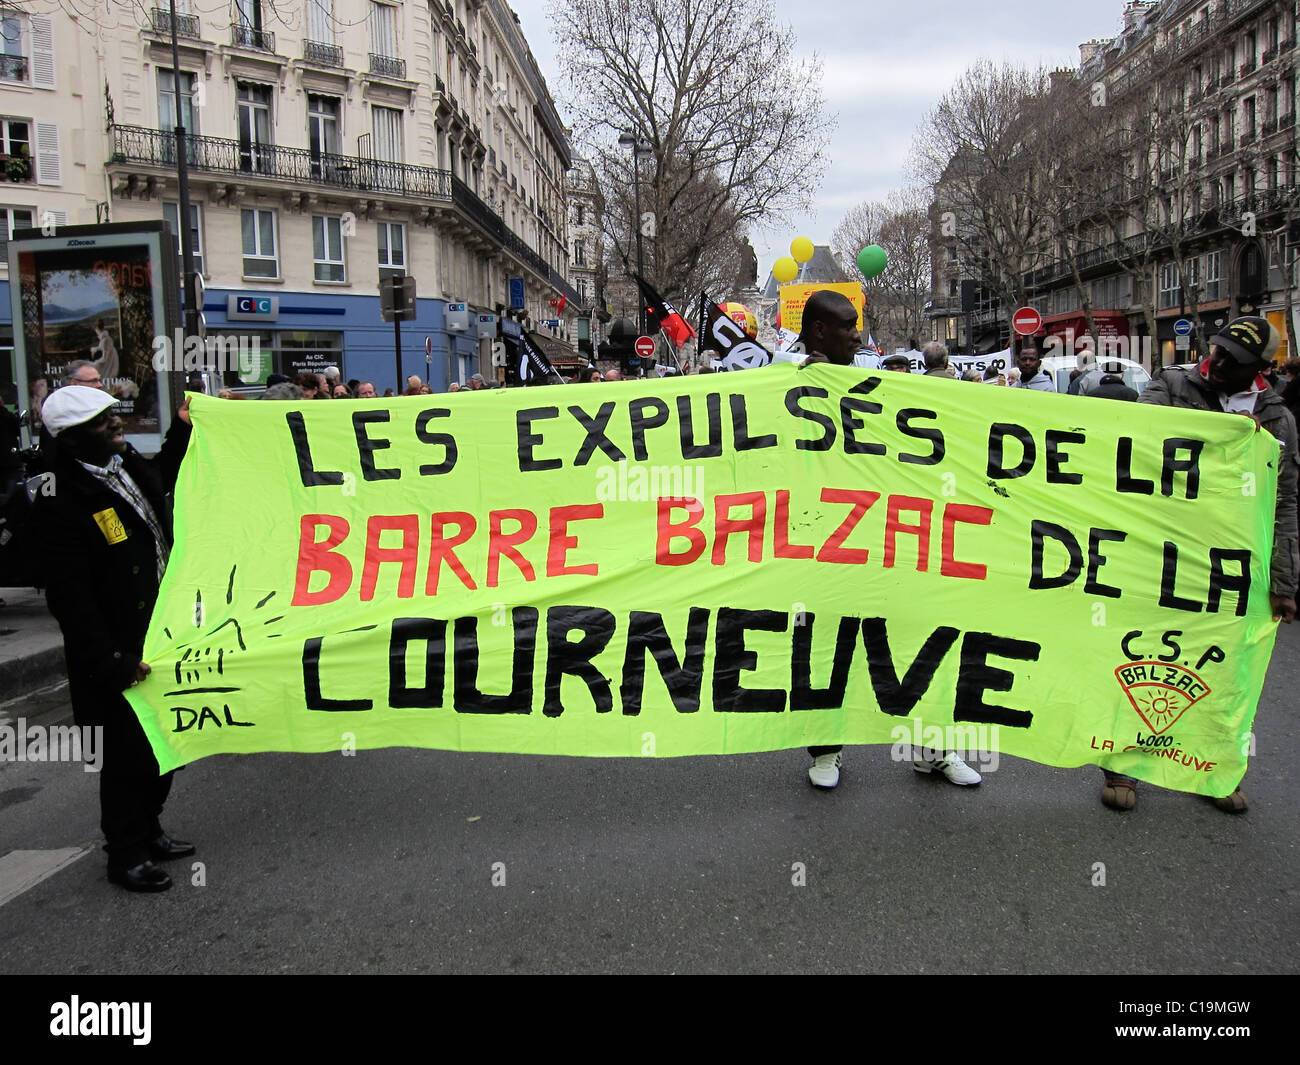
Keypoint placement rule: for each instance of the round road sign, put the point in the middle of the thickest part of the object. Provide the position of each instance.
(645, 347)
(1026, 321)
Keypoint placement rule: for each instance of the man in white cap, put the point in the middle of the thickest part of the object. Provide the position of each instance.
(105, 534)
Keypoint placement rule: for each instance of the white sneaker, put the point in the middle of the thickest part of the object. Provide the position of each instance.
(952, 767)
(825, 770)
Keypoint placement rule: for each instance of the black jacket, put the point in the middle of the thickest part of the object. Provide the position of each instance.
(101, 584)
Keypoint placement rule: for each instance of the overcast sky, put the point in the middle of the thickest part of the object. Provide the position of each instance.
(886, 65)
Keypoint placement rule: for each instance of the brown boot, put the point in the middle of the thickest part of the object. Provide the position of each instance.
(1236, 803)
(1119, 793)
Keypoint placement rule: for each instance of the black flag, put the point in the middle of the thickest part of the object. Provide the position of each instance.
(736, 351)
(532, 367)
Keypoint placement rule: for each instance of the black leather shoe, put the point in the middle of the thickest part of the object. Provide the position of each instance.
(143, 877)
(164, 848)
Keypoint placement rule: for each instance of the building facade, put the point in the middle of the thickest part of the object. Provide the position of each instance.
(1195, 218)
(332, 143)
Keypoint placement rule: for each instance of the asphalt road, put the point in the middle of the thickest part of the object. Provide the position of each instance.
(385, 862)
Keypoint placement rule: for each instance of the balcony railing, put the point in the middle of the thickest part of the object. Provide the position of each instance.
(13, 68)
(387, 66)
(1246, 68)
(1246, 138)
(1268, 128)
(322, 55)
(1287, 45)
(1286, 121)
(140, 146)
(249, 37)
(1269, 55)
(186, 25)
(438, 84)
(464, 198)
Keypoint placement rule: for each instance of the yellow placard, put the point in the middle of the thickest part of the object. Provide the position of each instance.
(793, 297)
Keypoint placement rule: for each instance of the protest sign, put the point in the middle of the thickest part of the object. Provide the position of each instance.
(719, 564)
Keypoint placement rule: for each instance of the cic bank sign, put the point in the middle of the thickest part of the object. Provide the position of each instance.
(245, 308)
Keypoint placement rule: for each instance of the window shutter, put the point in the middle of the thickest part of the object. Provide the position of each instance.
(48, 168)
(42, 51)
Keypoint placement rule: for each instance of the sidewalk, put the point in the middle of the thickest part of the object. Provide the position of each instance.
(31, 645)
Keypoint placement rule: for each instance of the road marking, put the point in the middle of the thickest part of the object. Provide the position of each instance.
(21, 870)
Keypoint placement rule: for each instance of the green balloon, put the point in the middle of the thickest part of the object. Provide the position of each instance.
(871, 261)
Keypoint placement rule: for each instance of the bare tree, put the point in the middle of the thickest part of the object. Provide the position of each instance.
(896, 299)
(733, 120)
(977, 150)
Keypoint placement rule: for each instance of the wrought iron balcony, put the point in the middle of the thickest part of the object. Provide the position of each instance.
(1286, 121)
(1268, 128)
(439, 84)
(1287, 45)
(13, 68)
(322, 55)
(186, 25)
(388, 66)
(464, 198)
(1246, 138)
(1246, 68)
(141, 146)
(1269, 55)
(249, 37)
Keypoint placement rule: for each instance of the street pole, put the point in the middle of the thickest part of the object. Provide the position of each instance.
(189, 274)
(397, 351)
(640, 259)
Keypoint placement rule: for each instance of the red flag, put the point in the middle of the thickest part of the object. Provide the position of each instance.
(558, 303)
(663, 315)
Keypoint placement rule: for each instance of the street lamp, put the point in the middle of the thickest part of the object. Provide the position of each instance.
(640, 146)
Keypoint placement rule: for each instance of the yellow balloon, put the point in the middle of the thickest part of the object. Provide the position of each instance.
(802, 249)
(785, 270)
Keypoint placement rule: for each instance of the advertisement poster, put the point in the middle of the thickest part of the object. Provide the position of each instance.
(97, 294)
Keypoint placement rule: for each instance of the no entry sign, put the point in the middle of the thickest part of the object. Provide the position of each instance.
(645, 347)
(1026, 321)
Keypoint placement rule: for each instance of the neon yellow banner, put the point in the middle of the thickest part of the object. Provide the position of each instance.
(718, 564)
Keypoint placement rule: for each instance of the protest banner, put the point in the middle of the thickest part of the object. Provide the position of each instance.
(709, 565)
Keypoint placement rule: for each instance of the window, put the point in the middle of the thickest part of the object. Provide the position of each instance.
(26, 49)
(167, 101)
(1249, 129)
(12, 218)
(579, 253)
(1213, 280)
(320, 21)
(577, 214)
(259, 243)
(392, 249)
(580, 285)
(386, 122)
(254, 118)
(1169, 292)
(172, 214)
(323, 136)
(16, 150)
(327, 247)
(383, 30)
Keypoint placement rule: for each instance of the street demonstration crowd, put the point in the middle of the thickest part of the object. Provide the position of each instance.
(111, 514)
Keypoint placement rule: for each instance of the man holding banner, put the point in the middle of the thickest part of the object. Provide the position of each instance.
(106, 538)
(1231, 380)
(830, 335)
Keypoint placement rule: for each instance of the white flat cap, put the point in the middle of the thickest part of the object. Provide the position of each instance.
(74, 405)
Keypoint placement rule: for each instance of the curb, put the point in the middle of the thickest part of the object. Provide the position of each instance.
(22, 676)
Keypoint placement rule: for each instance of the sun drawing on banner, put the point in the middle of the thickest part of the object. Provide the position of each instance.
(205, 667)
